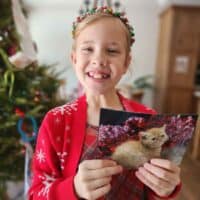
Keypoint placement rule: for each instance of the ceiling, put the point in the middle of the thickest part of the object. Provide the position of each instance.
(135, 3)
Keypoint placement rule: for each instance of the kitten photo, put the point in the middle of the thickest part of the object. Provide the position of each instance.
(131, 139)
(133, 153)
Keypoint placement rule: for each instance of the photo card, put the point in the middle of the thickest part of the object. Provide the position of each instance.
(131, 139)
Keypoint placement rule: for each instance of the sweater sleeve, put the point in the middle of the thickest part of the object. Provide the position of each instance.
(48, 181)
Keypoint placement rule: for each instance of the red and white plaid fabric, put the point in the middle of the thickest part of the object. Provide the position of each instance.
(125, 185)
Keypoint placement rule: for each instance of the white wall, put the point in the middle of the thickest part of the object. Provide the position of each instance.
(145, 20)
(50, 25)
(51, 30)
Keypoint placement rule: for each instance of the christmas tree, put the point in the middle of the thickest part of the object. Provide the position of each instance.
(27, 91)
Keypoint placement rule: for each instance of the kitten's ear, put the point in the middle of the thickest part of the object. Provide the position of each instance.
(141, 133)
(164, 127)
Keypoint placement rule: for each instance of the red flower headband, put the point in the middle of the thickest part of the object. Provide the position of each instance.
(106, 10)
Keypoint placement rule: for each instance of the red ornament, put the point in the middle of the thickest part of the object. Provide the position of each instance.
(12, 50)
(19, 112)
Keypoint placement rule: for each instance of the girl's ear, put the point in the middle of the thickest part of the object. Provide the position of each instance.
(73, 57)
(127, 62)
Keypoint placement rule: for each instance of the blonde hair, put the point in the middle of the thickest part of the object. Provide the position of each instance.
(96, 17)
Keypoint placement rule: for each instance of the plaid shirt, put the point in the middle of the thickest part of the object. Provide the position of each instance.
(124, 185)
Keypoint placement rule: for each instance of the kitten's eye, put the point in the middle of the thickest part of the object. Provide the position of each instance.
(153, 138)
(162, 136)
(144, 137)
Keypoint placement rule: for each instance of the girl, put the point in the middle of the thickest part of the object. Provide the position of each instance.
(100, 56)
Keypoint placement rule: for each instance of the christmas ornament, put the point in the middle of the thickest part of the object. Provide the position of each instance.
(23, 134)
(19, 112)
(20, 60)
(12, 50)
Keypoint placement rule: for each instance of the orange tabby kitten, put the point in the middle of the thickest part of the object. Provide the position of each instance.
(132, 154)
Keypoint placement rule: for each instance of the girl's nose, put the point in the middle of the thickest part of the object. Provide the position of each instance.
(99, 60)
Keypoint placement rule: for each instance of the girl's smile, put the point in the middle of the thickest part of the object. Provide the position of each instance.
(100, 57)
(98, 76)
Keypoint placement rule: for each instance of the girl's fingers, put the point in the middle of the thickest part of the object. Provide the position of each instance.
(153, 179)
(97, 164)
(93, 178)
(159, 187)
(162, 173)
(103, 172)
(95, 194)
(94, 184)
(148, 183)
(95, 169)
(166, 164)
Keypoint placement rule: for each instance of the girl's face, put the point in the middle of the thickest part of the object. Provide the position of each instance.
(100, 57)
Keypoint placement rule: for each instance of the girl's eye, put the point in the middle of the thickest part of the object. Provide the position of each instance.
(113, 51)
(87, 49)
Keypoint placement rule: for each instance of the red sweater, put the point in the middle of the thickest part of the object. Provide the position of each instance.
(59, 148)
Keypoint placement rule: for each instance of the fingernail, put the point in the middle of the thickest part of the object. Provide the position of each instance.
(137, 173)
(140, 169)
(114, 163)
(146, 164)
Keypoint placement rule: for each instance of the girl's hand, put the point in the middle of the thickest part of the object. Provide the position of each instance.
(93, 178)
(162, 176)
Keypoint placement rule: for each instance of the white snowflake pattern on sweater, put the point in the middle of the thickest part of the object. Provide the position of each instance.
(40, 156)
(65, 109)
(62, 158)
(47, 181)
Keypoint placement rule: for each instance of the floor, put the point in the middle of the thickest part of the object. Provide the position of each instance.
(190, 174)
